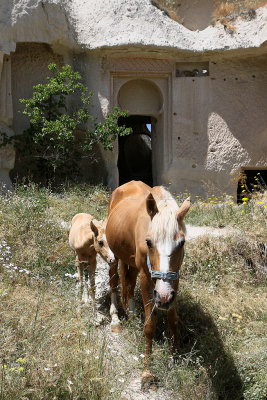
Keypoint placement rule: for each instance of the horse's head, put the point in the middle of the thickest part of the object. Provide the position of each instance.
(165, 240)
(100, 241)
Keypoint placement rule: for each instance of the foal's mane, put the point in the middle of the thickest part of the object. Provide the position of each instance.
(164, 224)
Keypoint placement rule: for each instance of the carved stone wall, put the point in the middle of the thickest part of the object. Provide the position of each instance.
(7, 153)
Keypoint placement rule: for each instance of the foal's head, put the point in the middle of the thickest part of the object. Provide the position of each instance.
(100, 241)
(165, 240)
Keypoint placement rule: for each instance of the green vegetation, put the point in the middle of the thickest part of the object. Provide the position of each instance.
(48, 350)
(58, 137)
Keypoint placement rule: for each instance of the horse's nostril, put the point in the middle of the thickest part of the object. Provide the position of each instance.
(156, 295)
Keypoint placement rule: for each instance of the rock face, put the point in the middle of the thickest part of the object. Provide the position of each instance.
(204, 92)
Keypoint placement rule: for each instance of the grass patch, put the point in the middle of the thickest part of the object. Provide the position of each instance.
(49, 351)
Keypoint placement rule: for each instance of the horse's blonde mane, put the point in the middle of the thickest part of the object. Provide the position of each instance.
(164, 224)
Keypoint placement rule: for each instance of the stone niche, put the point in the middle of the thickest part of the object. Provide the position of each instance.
(29, 67)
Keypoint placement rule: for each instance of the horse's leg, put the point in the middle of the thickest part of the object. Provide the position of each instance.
(79, 266)
(173, 324)
(173, 328)
(149, 329)
(90, 277)
(114, 282)
(128, 281)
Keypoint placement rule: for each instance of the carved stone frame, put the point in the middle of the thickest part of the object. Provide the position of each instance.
(159, 72)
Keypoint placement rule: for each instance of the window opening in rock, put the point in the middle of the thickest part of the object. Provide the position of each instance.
(192, 69)
(251, 180)
(135, 150)
(148, 127)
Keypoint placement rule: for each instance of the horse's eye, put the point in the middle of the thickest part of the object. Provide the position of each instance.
(149, 243)
(181, 242)
(101, 243)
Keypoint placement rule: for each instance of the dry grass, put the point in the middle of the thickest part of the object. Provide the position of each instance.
(222, 10)
(48, 351)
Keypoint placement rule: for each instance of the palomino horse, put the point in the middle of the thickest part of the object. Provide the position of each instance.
(145, 231)
(87, 238)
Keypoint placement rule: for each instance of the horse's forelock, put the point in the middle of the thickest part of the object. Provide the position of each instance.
(164, 224)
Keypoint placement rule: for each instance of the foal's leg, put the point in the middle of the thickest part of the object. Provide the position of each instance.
(90, 277)
(150, 326)
(128, 282)
(114, 282)
(79, 265)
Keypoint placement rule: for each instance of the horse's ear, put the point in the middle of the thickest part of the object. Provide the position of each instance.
(183, 209)
(151, 205)
(94, 227)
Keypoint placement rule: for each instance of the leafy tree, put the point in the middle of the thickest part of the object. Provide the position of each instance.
(58, 137)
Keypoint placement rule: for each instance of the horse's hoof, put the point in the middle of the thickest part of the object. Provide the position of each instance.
(148, 381)
(115, 327)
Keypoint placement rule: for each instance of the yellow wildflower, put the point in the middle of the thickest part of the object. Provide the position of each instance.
(244, 199)
(259, 202)
(244, 202)
(21, 360)
(242, 210)
(231, 203)
(235, 315)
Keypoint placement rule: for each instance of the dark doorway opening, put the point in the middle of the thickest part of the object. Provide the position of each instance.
(135, 150)
(251, 180)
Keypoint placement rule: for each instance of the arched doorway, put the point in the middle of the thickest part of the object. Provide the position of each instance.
(135, 150)
(140, 153)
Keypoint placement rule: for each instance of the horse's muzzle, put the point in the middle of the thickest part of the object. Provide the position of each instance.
(163, 303)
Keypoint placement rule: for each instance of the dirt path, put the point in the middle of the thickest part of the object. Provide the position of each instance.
(193, 232)
(129, 377)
